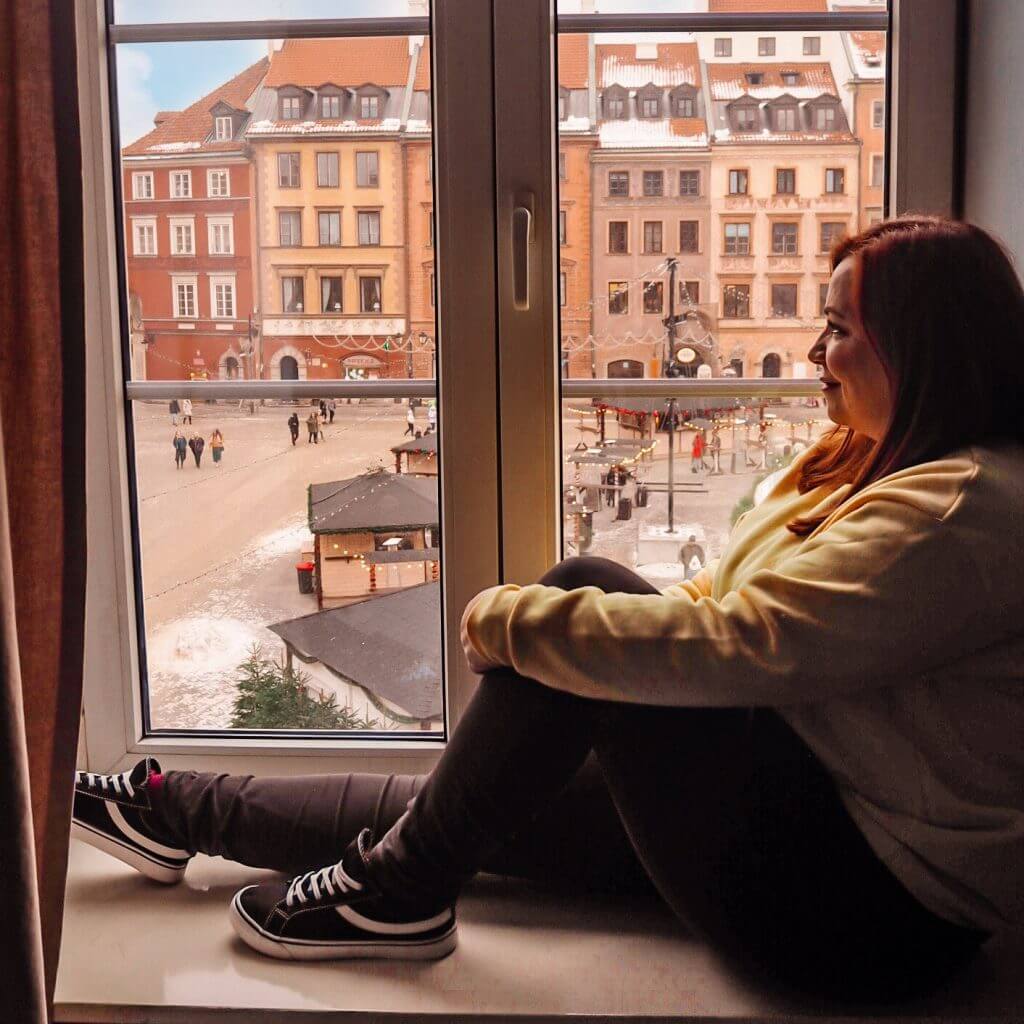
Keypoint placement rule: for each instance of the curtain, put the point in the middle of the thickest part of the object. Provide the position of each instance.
(42, 413)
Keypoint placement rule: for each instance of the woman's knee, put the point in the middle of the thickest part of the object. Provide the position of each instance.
(580, 571)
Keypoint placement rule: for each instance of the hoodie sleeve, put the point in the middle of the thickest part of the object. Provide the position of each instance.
(885, 592)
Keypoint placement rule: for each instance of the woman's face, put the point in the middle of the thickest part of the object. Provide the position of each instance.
(853, 379)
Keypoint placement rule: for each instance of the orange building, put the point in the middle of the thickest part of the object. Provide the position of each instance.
(866, 51)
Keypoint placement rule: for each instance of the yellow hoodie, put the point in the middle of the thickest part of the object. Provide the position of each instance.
(891, 639)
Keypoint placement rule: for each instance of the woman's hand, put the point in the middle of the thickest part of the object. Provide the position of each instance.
(476, 662)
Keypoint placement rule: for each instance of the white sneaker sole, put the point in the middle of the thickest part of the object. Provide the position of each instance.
(299, 949)
(127, 854)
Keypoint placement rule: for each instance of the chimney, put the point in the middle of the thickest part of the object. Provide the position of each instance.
(273, 45)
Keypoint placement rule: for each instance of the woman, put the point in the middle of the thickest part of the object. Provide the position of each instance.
(697, 452)
(180, 449)
(216, 445)
(812, 749)
(186, 410)
(313, 426)
(293, 427)
(197, 444)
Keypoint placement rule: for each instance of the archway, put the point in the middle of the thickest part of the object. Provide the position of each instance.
(231, 368)
(289, 367)
(771, 365)
(626, 368)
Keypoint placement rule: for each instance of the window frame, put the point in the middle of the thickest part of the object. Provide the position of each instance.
(375, 176)
(172, 182)
(185, 280)
(144, 222)
(789, 238)
(624, 251)
(811, 46)
(791, 172)
(220, 220)
(608, 184)
(297, 215)
(334, 165)
(139, 176)
(323, 279)
(723, 46)
(328, 213)
(218, 121)
(697, 175)
(617, 289)
(737, 238)
(301, 278)
(649, 288)
(696, 236)
(766, 46)
(221, 280)
(296, 164)
(729, 288)
(211, 172)
(182, 221)
(375, 213)
(660, 239)
(737, 171)
(772, 285)
(653, 176)
(830, 178)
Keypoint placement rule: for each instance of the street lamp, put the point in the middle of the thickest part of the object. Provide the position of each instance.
(425, 340)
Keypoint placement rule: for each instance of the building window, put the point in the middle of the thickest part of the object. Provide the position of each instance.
(561, 165)
(737, 183)
(874, 215)
(736, 301)
(327, 170)
(142, 185)
(183, 237)
(289, 227)
(220, 235)
(784, 239)
(330, 294)
(144, 237)
(689, 183)
(618, 183)
(184, 297)
(654, 183)
(723, 47)
(181, 184)
(785, 119)
(329, 227)
(288, 170)
(615, 108)
(369, 227)
(790, 77)
(689, 292)
(618, 236)
(430, 229)
(812, 46)
(222, 297)
(878, 113)
(654, 297)
(561, 288)
(825, 119)
(369, 294)
(291, 108)
(737, 239)
(785, 181)
(223, 128)
(218, 183)
(822, 297)
(369, 107)
(766, 46)
(652, 236)
(831, 232)
(835, 180)
(618, 297)
(650, 106)
(783, 300)
(330, 107)
(292, 294)
(689, 236)
(755, 78)
(746, 119)
(684, 106)
(877, 170)
(561, 227)
(367, 170)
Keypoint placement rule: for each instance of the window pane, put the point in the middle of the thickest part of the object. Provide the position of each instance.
(330, 294)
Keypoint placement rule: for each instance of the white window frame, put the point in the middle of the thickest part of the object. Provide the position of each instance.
(182, 222)
(218, 174)
(878, 113)
(185, 280)
(365, 103)
(221, 220)
(223, 281)
(223, 128)
(876, 170)
(176, 177)
(144, 222)
(138, 177)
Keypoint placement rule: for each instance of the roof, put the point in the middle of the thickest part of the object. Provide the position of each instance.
(402, 555)
(572, 61)
(663, 133)
(389, 645)
(770, 6)
(425, 443)
(625, 64)
(382, 60)
(729, 82)
(190, 130)
(373, 501)
(867, 50)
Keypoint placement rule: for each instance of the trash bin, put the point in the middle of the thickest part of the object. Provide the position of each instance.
(625, 509)
(305, 573)
(641, 497)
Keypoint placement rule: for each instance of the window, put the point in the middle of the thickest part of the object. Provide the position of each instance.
(330, 107)
(367, 170)
(650, 106)
(430, 290)
(689, 183)
(689, 292)
(618, 183)
(878, 113)
(783, 300)
(812, 46)
(654, 297)
(615, 108)
(430, 229)
(835, 180)
(737, 183)
(689, 236)
(825, 119)
(330, 294)
(184, 295)
(654, 183)
(181, 184)
(723, 47)
(292, 294)
(223, 128)
(766, 46)
(618, 236)
(368, 222)
(369, 107)
(784, 239)
(785, 181)
(877, 170)
(561, 108)
(561, 288)
(183, 241)
(874, 215)
(785, 119)
(289, 227)
(746, 119)
(327, 170)
(685, 106)
(618, 297)
(288, 170)
(144, 236)
(735, 301)
(561, 165)
(822, 297)
(220, 236)
(652, 236)
(329, 227)
(831, 232)
(755, 77)
(369, 294)
(218, 183)
(561, 227)
(737, 239)
(291, 108)
(142, 185)
(222, 298)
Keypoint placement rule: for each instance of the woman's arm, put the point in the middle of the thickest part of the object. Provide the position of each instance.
(698, 587)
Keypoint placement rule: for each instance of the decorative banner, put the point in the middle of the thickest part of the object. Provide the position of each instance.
(286, 327)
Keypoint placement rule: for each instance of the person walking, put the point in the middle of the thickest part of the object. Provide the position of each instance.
(313, 426)
(332, 406)
(186, 410)
(432, 417)
(216, 446)
(323, 409)
(783, 749)
(293, 426)
(197, 444)
(715, 447)
(697, 452)
(174, 409)
(180, 449)
(410, 421)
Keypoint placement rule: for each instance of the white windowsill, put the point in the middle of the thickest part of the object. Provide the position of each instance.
(136, 951)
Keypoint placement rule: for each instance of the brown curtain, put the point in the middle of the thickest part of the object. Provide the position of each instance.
(42, 412)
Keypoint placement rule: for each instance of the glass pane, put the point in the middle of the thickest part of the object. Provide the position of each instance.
(129, 12)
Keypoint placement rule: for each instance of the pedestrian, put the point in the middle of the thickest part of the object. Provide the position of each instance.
(697, 452)
(174, 410)
(186, 410)
(197, 444)
(691, 554)
(293, 426)
(432, 416)
(323, 409)
(715, 447)
(313, 426)
(332, 405)
(410, 421)
(216, 446)
(180, 449)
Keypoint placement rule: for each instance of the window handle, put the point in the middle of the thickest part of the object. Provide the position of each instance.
(522, 224)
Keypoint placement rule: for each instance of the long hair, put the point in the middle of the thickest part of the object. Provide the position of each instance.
(943, 308)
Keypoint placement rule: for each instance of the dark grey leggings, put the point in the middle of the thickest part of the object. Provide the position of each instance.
(724, 813)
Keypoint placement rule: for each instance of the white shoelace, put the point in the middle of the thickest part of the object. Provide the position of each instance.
(313, 885)
(118, 783)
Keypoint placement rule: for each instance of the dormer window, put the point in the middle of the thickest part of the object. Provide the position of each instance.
(614, 103)
(825, 119)
(223, 128)
(291, 108)
(684, 106)
(650, 106)
(369, 107)
(330, 107)
(790, 77)
(745, 119)
(755, 78)
(683, 101)
(785, 119)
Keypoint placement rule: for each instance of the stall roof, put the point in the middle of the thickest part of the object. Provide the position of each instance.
(426, 443)
(373, 501)
(402, 555)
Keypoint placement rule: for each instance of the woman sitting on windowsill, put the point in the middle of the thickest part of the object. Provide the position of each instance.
(812, 750)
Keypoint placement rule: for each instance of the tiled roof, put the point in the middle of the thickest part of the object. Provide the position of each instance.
(422, 81)
(625, 64)
(572, 61)
(868, 51)
(666, 133)
(189, 129)
(729, 81)
(382, 60)
(770, 6)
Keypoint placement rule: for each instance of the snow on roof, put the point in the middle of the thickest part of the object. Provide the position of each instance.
(666, 133)
(676, 64)
(173, 147)
(391, 124)
(574, 124)
(868, 52)
(729, 81)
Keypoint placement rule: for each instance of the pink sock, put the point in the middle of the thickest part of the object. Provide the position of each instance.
(155, 782)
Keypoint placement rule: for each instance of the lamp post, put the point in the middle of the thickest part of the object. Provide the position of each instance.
(670, 413)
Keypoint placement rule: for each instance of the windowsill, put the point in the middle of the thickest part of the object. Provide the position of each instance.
(135, 950)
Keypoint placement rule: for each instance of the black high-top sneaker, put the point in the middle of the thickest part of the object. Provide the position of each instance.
(337, 913)
(110, 814)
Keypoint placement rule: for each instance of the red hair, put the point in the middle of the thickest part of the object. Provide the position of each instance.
(943, 308)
